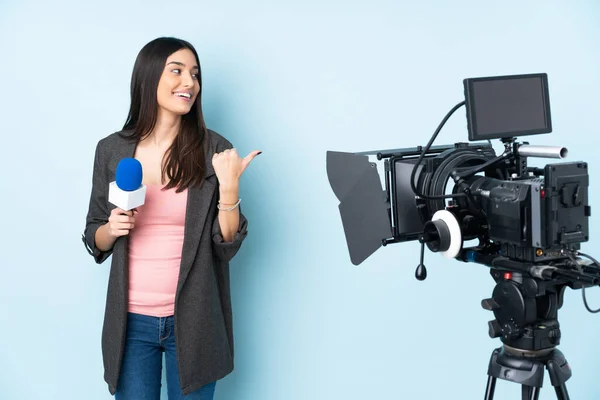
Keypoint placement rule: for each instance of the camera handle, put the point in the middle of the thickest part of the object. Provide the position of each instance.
(421, 272)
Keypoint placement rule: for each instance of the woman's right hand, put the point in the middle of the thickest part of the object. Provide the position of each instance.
(120, 222)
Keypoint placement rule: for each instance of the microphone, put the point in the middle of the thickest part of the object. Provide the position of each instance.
(127, 191)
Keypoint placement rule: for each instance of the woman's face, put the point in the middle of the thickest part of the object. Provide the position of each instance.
(179, 86)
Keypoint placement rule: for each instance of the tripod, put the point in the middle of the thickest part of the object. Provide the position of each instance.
(527, 368)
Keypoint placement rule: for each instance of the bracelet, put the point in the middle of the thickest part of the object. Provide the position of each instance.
(230, 208)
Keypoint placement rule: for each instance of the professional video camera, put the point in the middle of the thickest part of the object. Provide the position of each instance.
(528, 222)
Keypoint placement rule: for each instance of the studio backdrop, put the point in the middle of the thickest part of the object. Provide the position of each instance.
(294, 79)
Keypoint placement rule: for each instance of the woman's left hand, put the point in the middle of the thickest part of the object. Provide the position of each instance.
(229, 166)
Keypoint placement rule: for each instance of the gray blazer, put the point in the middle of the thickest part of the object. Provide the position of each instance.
(203, 316)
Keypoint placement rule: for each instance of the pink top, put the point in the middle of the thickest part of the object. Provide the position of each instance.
(155, 252)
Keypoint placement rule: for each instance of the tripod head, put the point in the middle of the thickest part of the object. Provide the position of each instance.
(527, 296)
(525, 303)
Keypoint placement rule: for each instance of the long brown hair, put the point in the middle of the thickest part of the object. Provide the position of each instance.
(185, 163)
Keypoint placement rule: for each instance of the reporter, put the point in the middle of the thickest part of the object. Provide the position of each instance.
(168, 289)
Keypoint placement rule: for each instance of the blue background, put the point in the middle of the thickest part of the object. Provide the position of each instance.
(294, 80)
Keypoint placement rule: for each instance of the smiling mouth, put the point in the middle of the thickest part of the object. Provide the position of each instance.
(183, 95)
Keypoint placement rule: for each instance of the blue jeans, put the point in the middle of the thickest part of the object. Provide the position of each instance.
(141, 372)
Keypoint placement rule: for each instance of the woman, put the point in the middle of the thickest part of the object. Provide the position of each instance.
(168, 289)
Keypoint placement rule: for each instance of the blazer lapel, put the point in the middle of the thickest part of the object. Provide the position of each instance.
(125, 149)
(198, 203)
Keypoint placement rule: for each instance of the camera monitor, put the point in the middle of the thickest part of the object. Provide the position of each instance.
(507, 106)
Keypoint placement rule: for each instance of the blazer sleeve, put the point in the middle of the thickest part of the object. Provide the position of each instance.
(227, 250)
(98, 211)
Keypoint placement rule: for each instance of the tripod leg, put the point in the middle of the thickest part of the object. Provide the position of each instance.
(561, 392)
(530, 392)
(560, 372)
(491, 386)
